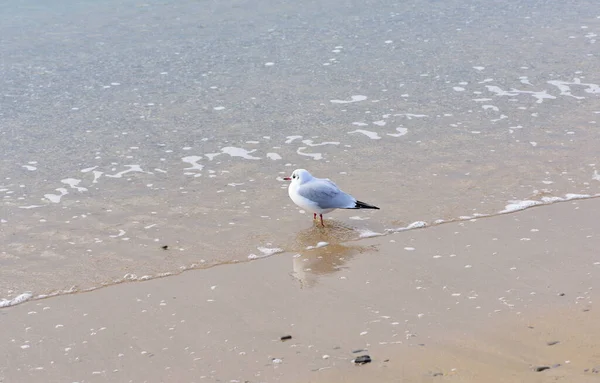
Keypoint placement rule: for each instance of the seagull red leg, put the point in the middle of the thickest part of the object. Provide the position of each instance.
(314, 216)
(321, 215)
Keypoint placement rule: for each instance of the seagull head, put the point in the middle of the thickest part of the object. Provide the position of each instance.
(299, 176)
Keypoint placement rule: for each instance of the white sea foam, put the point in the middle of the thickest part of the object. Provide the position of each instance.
(273, 156)
(55, 198)
(291, 139)
(97, 174)
(121, 233)
(73, 182)
(267, 251)
(16, 300)
(565, 89)
(318, 245)
(368, 133)
(410, 116)
(414, 225)
(525, 80)
(519, 205)
(315, 156)
(366, 233)
(355, 98)
(239, 152)
(193, 160)
(29, 167)
(401, 132)
(310, 143)
(492, 107)
(539, 96)
(571, 196)
(131, 169)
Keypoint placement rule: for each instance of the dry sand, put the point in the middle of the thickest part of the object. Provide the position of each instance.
(474, 301)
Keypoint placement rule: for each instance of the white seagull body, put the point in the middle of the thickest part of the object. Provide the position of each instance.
(320, 195)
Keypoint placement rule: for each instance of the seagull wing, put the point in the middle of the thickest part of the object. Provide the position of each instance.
(325, 194)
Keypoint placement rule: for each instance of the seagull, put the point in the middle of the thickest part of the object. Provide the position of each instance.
(320, 195)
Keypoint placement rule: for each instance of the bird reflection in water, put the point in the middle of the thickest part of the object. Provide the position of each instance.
(321, 252)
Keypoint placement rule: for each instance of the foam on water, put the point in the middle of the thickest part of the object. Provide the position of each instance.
(16, 300)
(193, 160)
(565, 89)
(355, 98)
(366, 233)
(412, 226)
(315, 156)
(318, 245)
(55, 198)
(310, 143)
(268, 251)
(131, 169)
(410, 116)
(401, 132)
(519, 205)
(73, 182)
(368, 133)
(291, 139)
(540, 96)
(87, 170)
(273, 156)
(240, 152)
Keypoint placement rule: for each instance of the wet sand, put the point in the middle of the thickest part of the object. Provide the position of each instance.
(467, 301)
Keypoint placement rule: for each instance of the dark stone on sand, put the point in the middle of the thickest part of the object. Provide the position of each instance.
(561, 294)
(541, 368)
(286, 337)
(553, 342)
(165, 247)
(437, 374)
(363, 359)
(358, 350)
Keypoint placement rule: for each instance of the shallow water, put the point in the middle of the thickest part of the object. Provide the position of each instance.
(125, 126)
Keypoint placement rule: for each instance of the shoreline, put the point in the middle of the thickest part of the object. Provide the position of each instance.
(415, 298)
(515, 207)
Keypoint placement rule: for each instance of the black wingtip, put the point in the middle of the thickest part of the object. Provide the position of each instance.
(362, 205)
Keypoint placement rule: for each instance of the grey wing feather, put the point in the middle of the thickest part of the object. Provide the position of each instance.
(324, 193)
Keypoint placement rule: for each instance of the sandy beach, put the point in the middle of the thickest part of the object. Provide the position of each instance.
(146, 230)
(479, 300)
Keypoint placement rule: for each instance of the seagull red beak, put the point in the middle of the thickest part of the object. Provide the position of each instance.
(287, 179)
